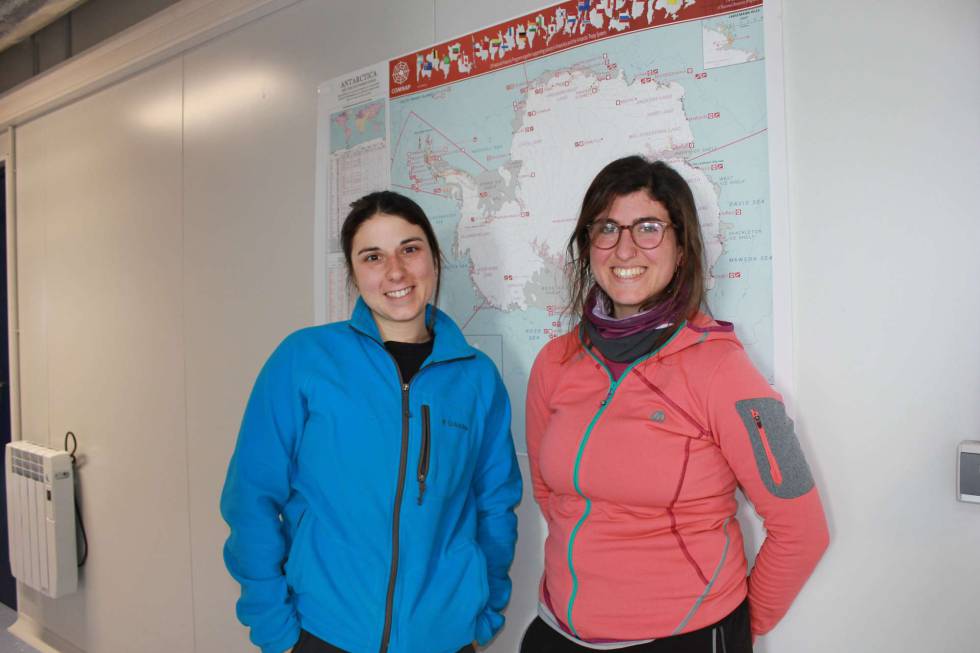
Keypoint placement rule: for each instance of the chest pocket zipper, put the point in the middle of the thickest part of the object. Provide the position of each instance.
(423, 469)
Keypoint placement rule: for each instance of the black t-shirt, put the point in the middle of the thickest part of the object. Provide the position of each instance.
(409, 356)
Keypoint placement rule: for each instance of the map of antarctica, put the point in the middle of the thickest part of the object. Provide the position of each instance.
(498, 133)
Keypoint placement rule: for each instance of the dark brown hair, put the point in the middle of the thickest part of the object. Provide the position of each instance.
(390, 203)
(665, 185)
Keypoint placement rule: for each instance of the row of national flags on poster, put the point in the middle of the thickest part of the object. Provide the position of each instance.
(560, 27)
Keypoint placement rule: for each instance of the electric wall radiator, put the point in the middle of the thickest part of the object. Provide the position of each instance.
(41, 518)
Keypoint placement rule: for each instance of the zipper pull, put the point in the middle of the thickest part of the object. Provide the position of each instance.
(608, 397)
(424, 452)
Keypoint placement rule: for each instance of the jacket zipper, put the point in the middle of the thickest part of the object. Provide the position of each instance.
(396, 517)
(423, 469)
(774, 471)
(588, 502)
(613, 385)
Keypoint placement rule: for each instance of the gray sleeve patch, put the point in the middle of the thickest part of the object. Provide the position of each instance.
(778, 455)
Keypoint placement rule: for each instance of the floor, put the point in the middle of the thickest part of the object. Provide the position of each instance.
(9, 643)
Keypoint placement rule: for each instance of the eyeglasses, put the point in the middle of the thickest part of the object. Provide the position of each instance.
(647, 233)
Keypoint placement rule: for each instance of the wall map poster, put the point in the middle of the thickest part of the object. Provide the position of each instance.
(497, 133)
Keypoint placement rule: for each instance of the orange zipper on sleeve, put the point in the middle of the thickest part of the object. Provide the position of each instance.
(777, 475)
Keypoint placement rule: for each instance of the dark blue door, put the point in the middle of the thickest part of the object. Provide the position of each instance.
(8, 588)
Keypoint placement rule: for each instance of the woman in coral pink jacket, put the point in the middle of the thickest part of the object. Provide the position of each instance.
(641, 424)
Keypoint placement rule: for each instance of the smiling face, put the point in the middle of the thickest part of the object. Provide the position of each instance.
(395, 272)
(631, 276)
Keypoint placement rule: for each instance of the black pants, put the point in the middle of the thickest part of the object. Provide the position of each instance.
(730, 635)
(309, 643)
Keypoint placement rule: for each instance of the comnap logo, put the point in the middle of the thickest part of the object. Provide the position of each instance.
(399, 73)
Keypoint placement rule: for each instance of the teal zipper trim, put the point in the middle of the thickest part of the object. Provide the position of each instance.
(613, 385)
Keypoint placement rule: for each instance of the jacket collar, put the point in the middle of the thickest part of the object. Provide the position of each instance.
(449, 342)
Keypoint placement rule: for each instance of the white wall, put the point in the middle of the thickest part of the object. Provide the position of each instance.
(883, 106)
(165, 244)
(101, 310)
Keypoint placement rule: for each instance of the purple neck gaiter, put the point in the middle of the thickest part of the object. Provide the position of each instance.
(598, 312)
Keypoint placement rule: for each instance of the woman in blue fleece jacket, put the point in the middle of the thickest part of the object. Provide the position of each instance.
(371, 493)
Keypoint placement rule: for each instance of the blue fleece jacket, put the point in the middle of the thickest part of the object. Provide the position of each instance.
(366, 511)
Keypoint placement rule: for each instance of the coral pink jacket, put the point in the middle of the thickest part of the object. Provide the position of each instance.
(636, 479)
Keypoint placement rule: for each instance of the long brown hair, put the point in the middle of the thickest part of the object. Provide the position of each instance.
(665, 185)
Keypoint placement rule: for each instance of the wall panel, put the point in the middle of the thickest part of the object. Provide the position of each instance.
(99, 244)
(884, 241)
